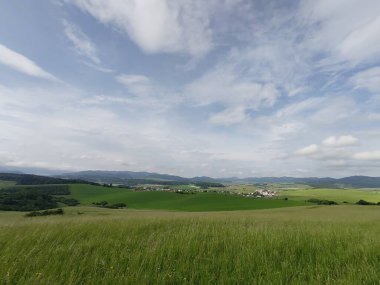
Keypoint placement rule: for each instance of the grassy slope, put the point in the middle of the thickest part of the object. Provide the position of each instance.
(300, 245)
(338, 195)
(87, 194)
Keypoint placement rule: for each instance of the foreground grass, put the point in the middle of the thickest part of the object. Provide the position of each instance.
(87, 194)
(302, 245)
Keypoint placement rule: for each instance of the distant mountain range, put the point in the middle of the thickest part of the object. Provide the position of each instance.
(31, 179)
(148, 177)
(133, 178)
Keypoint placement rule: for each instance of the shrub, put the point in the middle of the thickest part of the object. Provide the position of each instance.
(322, 202)
(45, 213)
(67, 201)
(116, 206)
(101, 203)
(104, 204)
(364, 202)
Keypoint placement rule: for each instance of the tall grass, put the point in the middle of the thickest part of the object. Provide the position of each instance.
(303, 245)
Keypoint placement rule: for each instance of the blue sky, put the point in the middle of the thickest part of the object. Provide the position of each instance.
(190, 87)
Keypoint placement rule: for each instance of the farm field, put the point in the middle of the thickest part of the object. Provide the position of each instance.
(87, 194)
(299, 245)
(338, 195)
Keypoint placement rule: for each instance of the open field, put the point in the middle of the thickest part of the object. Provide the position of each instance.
(4, 183)
(299, 245)
(248, 188)
(87, 194)
(338, 195)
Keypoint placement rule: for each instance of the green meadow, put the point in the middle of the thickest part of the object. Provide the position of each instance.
(297, 245)
(203, 238)
(5, 184)
(338, 195)
(87, 194)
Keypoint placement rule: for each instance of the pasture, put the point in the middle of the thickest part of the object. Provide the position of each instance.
(338, 195)
(87, 194)
(5, 183)
(299, 245)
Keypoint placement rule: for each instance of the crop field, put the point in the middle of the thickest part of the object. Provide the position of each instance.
(338, 195)
(299, 245)
(87, 194)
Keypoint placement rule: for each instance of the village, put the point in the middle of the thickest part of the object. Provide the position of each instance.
(193, 189)
(261, 193)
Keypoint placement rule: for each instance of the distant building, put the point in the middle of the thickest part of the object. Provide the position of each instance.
(261, 193)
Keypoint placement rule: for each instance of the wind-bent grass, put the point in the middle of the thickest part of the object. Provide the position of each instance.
(301, 245)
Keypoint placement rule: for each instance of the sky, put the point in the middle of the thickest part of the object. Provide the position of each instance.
(218, 88)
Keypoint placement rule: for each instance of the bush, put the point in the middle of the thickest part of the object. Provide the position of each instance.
(116, 206)
(67, 201)
(104, 204)
(101, 203)
(364, 202)
(322, 202)
(45, 213)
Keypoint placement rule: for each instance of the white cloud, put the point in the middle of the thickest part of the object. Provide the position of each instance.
(22, 64)
(309, 150)
(226, 87)
(276, 80)
(374, 117)
(158, 26)
(368, 79)
(334, 110)
(228, 116)
(135, 83)
(363, 43)
(340, 141)
(367, 155)
(81, 42)
(236, 93)
(345, 30)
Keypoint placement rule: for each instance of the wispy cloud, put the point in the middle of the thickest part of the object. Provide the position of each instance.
(220, 88)
(308, 150)
(368, 79)
(136, 84)
(160, 26)
(81, 42)
(23, 64)
(340, 141)
(344, 32)
(367, 155)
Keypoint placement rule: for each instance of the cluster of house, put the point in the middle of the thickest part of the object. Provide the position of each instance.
(150, 187)
(261, 193)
